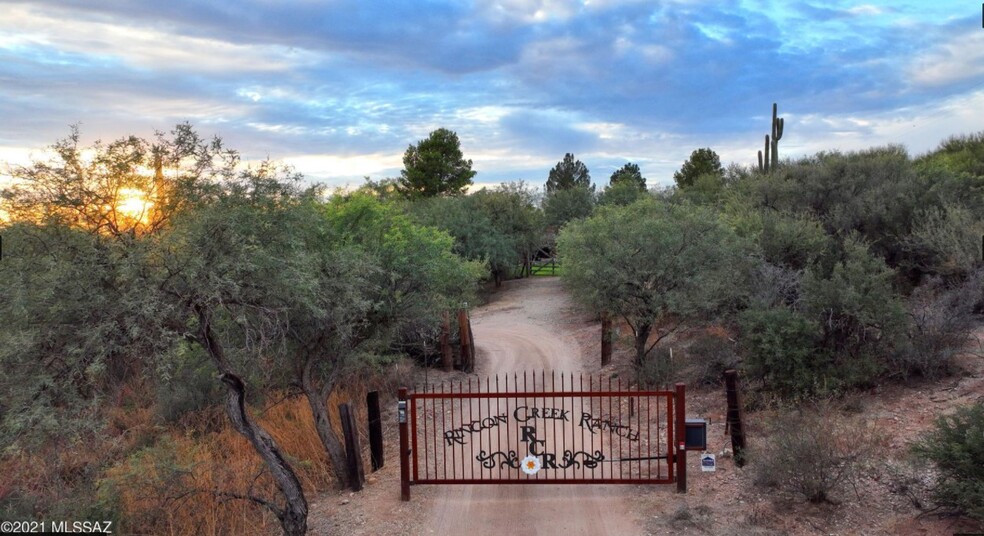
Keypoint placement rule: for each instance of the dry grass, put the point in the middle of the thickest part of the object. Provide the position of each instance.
(181, 485)
(176, 479)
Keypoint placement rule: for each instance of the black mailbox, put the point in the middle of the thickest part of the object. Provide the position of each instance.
(696, 434)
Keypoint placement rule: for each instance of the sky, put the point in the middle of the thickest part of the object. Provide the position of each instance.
(340, 88)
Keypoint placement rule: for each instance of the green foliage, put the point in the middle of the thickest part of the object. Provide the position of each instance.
(706, 189)
(956, 447)
(567, 174)
(960, 154)
(562, 206)
(875, 193)
(187, 384)
(660, 371)
(621, 194)
(475, 236)
(511, 209)
(415, 276)
(628, 174)
(708, 356)
(435, 167)
(859, 311)
(655, 264)
(793, 241)
(74, 329)
(781, 349)
(702, 161)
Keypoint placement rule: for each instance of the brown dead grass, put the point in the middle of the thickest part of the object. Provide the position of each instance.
(187, 482)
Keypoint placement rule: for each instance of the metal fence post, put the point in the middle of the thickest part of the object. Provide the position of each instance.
(681, 437)
(403, 418)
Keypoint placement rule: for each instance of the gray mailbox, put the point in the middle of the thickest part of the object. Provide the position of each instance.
(696, 434)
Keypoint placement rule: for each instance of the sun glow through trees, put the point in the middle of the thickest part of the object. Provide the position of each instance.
(132, 206)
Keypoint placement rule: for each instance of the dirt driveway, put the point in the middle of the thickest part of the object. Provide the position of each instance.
(529, 326)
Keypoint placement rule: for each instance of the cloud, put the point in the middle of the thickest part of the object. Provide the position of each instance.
(342, 87)
(958, 59)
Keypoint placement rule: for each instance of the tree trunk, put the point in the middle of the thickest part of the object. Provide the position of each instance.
(333, 445)
(293, 516)
(318, 400)
(641, 338)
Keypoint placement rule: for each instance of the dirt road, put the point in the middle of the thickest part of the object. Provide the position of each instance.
(526, 328)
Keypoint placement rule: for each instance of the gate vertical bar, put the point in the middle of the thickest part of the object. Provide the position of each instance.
(681, 438)
(404, 450)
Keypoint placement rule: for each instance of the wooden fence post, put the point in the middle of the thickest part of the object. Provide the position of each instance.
(447, 359)
(464, 334)
(735, 417)
(681, 437)
(356, 472)
(403, 412)
(375, 430)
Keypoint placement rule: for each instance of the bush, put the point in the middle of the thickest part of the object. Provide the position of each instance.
(940, 322)
(709, 356)
(780, 349)
(956, 447)
(658, 370)
(815, 453)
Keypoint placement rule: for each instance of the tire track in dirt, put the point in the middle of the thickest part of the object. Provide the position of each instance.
(521, 331)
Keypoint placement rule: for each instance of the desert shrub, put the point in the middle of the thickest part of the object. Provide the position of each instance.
(659, 370)
(859, 313)
(944, 241)
(708, 356)
(780, 350)
(815, 453)
(909, 479)
(939, 326)
(771, 285)
(792, 241)
(956, 447)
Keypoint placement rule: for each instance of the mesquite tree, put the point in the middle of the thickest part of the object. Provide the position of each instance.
(654, 264)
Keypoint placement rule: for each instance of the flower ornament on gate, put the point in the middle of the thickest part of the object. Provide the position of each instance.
(530, 465)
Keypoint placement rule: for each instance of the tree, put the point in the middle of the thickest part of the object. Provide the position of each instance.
(512, 213)
(229, 277)
(562, 206)
(569, 173)
(621, 193)
(701, 162)
(128, 187)
(655, 264)
(628, 174)
(435, 167)
(475, 236)
(381, 279)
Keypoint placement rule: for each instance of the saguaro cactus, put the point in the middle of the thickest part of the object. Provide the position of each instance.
(772, 144)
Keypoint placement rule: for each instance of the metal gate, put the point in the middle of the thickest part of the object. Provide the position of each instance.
(541, 429)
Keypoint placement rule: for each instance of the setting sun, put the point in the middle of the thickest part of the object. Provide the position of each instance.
(133, 204)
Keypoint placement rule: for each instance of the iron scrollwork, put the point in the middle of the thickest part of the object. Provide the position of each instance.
(488, 460)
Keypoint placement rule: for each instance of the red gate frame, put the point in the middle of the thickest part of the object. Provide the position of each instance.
(676, 430)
